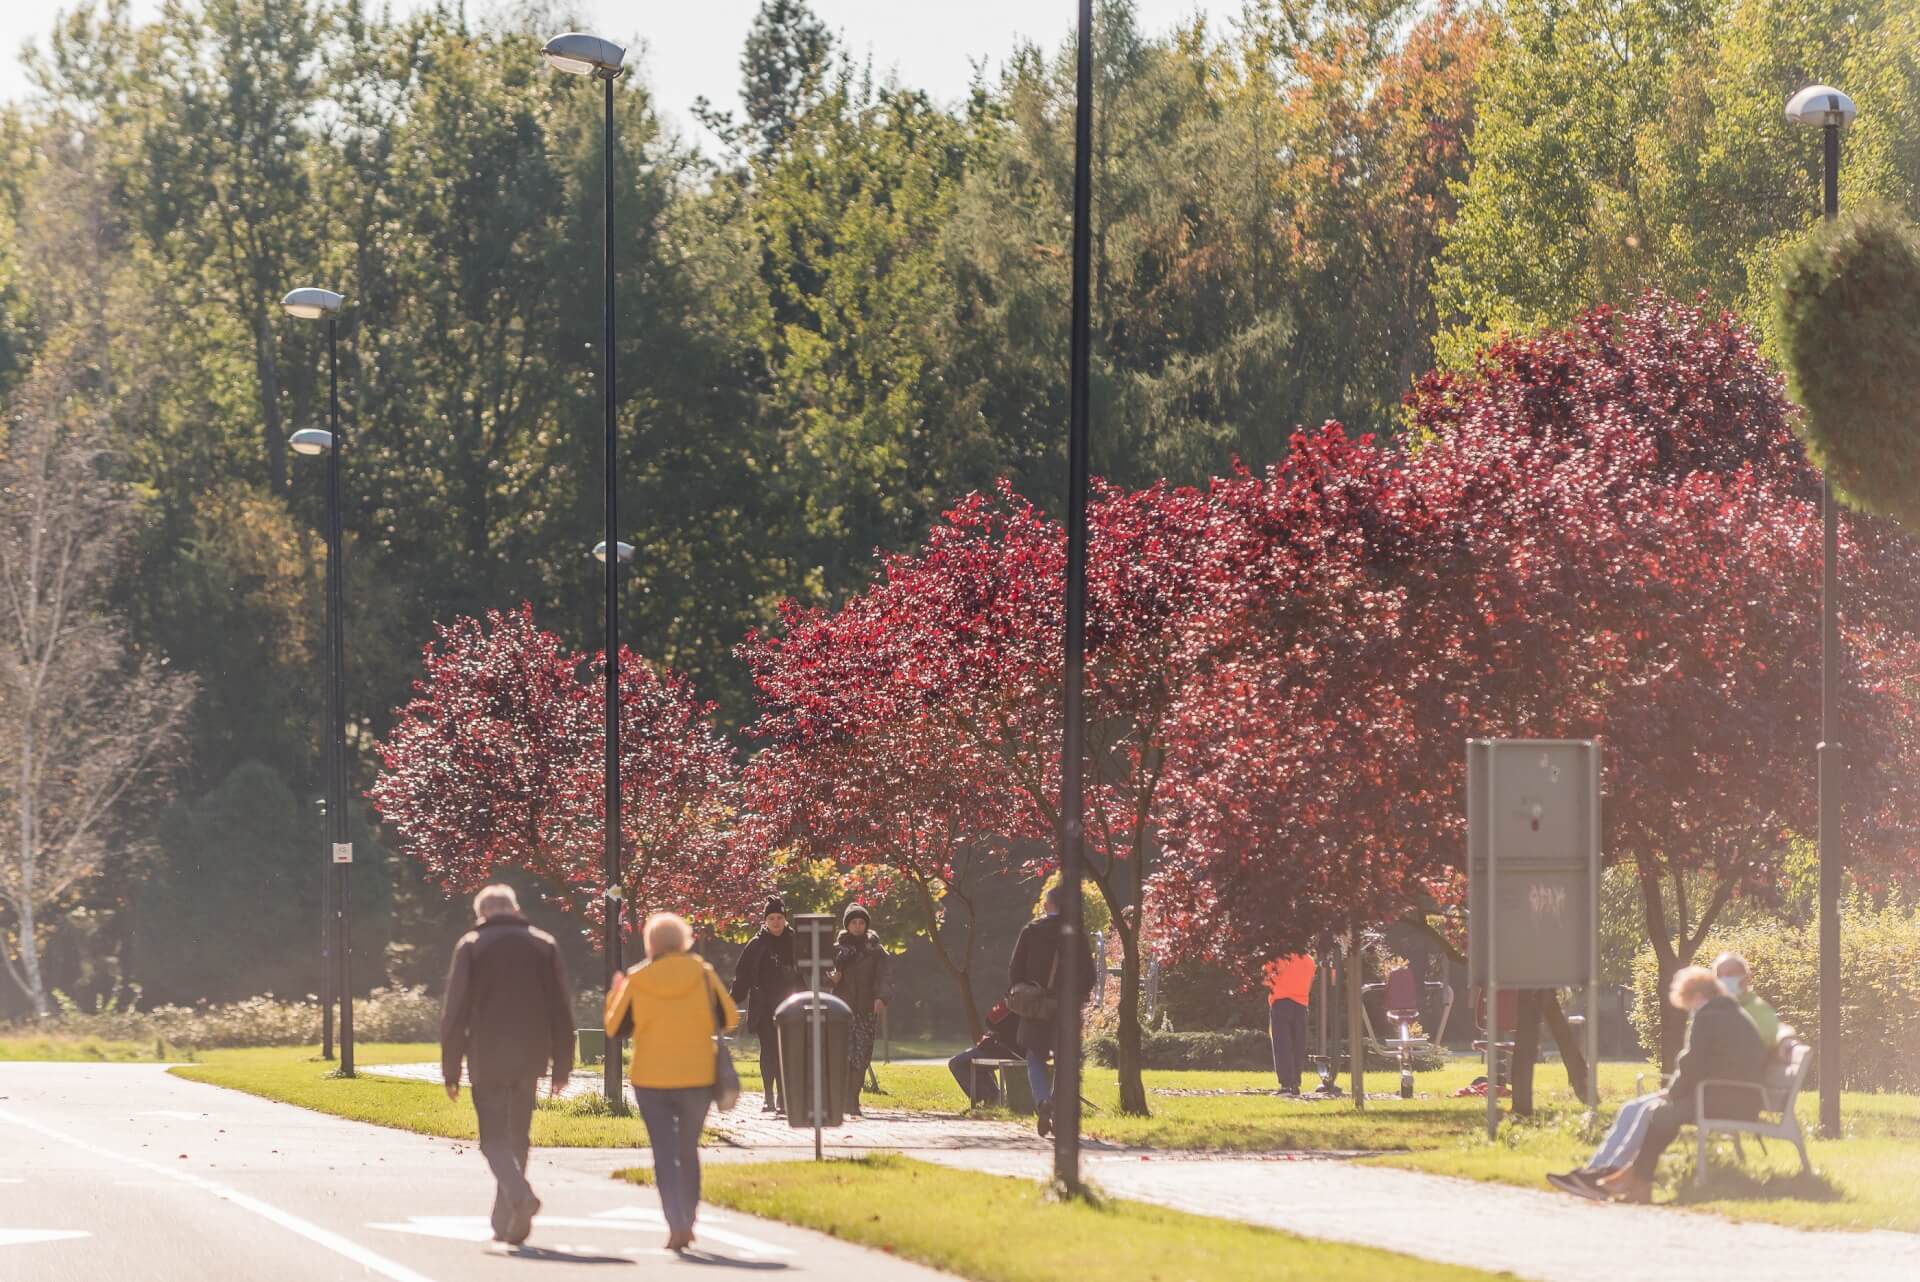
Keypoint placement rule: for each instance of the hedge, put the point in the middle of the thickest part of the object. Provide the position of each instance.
(1236, 1049)
(1880, 988)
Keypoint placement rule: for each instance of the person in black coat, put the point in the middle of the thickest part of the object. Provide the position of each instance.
(508, 1021)
(1722, 1046)
(1035, 954)
(767, 975)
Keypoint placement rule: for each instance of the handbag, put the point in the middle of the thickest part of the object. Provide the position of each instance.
(726, 1081)
(1029, 1000)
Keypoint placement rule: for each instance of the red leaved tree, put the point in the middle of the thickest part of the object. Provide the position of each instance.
(855, 772)
(498, 762)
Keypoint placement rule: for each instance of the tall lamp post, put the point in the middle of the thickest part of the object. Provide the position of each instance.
(580, 54)
(1066, 1088)
(324, 304)
(1828, 110)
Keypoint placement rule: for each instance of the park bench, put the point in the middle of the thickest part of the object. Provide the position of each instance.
(1001, 1069)
(1779, 1093)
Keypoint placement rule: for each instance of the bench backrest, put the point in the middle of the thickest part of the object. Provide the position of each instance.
(1784, 1079)
(1403, 992)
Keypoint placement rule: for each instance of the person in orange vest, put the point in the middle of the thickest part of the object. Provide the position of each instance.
(1289, 985)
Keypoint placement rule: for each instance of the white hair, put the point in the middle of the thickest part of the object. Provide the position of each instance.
(667, 933)
(494, 900)
(1730, 964)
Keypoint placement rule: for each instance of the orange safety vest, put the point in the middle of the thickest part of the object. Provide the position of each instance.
(1291, 978)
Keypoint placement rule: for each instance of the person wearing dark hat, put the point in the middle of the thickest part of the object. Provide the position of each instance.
(863, 979)
(767, 975)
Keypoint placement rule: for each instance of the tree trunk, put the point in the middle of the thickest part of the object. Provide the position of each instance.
(1133, 1090)
(29, 843)
(1356, 1026)
(272, 436)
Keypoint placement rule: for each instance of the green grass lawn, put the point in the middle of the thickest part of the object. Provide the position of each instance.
(295, 1075)
(1868, 1180)
(996, 1229)
(92, 1050)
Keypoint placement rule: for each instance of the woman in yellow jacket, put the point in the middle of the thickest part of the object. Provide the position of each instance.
(678, 1006)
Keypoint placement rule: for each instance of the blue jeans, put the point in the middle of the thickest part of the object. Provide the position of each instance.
(1624, 1138)
(980, 1084)
(1039, 1077)
(674, 1118)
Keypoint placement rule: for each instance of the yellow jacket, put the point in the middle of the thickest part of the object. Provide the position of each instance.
(672, 1002)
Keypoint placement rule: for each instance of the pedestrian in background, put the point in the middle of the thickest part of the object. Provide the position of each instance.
(766, 976)
(509, 1017)
(1032, 980)
(672, 1005)
(998, 1042)
(1289, 988)
(863, 979)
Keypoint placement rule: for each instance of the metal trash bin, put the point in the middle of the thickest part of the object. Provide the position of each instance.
(591, 1045)
(794, 1019)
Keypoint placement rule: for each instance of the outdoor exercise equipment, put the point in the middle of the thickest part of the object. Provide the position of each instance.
(1402, 995)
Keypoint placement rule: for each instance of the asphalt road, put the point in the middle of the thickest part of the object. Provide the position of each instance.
(123, 1172)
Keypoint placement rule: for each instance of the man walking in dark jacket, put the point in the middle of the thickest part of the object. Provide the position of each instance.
(509, 1015)
(1036, 956)
(767, 975)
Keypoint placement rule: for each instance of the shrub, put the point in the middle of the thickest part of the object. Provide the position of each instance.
(1880, 986)
(384, 1015)
(1848, 320)
(1235, 1049)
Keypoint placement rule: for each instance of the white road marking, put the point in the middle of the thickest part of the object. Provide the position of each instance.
(638, 1219)
(21, 1237)
(332, 1241)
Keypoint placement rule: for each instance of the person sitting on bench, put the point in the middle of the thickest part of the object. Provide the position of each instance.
(1722, 1045)
(1629, 1129)
(981, 1085)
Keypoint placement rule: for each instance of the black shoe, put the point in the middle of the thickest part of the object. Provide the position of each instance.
(1043, 1119)
(1578, 1183)
(770, 1107)
(523, 1222)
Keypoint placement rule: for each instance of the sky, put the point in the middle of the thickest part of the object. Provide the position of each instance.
(693, 49)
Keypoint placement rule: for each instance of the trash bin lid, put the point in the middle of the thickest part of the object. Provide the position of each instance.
(800, 1005)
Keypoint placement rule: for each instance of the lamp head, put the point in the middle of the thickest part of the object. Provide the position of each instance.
(580, 54)
(1818, 106)
(625, 552)
(311, 441)
(309, 303)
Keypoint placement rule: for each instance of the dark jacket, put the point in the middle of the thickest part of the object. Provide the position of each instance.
(1033, 958)
(1722, 1045)
(509, 1011)
(863, 972)
(766, 976)
(1002, 1038)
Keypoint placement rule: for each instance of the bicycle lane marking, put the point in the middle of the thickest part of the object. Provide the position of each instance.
(342, 1246)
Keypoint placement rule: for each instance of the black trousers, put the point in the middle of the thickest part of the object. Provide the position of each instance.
(770, 1064)
(1287, 1026)
(505, 1112)
(1663, 1127)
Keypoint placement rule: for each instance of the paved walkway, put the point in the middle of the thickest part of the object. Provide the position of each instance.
(123, 1171)
(1537, 1235)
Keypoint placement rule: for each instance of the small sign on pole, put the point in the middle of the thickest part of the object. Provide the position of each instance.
(343, 852)
(1533, 881)
(817, 929)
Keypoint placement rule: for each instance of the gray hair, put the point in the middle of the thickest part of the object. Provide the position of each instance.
(667, 933)
(1730, 964)
(495, 900)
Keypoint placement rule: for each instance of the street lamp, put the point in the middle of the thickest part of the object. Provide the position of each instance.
(622, 550)
(1828, 110)
(580, 54)
(323, 304)
(1066, 1068)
